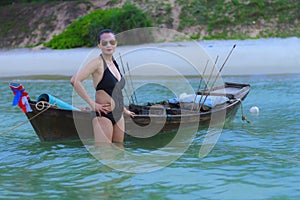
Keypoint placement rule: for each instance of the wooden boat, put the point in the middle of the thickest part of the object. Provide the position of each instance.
(54, 124)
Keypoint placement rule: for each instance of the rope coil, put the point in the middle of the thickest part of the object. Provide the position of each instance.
(44, 104)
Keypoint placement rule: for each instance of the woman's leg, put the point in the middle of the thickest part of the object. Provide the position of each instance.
(118, 131)
(103, 130)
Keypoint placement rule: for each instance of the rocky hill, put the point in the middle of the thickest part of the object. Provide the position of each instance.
(32, 24)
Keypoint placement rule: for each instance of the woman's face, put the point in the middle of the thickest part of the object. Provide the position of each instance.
(108, 43)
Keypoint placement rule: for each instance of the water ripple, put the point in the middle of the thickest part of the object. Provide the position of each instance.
(259, 160)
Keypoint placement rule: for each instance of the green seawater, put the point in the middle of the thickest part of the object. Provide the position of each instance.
(260, 160)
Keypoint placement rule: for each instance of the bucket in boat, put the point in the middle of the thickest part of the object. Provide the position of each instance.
(54, 100)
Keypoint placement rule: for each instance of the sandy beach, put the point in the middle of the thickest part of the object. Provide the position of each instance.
(250, 57)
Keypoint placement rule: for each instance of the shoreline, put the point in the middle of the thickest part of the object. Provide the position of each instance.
(250, 57)
(50, 78)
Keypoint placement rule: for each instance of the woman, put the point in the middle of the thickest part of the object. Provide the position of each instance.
(108, 123)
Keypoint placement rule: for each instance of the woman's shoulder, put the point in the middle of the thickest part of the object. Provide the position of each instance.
(96, 63)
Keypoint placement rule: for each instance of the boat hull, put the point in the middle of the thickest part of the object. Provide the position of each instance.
(54, 124)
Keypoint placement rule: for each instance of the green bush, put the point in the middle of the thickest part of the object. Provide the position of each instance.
(84, 31)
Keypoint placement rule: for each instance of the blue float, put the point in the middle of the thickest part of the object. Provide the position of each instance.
(55, 101)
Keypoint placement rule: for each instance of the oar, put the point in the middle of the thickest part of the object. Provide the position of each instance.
(200, 83)
(218, 75)
(122, 64)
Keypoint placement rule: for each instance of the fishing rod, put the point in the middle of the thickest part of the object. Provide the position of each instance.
(122, 64)
(130, 78)
(206, 85)
(200, 83)
(218, 74)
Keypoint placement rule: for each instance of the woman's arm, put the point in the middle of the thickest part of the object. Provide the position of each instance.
(79, 77)
(128, 112)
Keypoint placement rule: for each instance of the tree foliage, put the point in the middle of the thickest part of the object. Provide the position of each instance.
(84, 31)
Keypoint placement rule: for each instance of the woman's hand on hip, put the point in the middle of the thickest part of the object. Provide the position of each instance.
(105, 108)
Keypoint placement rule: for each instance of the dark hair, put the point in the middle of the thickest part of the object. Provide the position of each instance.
(102, 32)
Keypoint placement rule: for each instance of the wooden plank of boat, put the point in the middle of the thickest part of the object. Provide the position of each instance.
(54, 124)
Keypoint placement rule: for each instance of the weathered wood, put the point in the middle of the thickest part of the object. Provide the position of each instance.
(54, 124)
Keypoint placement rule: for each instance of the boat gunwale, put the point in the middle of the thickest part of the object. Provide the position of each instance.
(244, 87)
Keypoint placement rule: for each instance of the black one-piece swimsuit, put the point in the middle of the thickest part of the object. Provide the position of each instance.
(110, 84)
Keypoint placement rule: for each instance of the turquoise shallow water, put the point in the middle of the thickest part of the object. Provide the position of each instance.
(260, 160)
